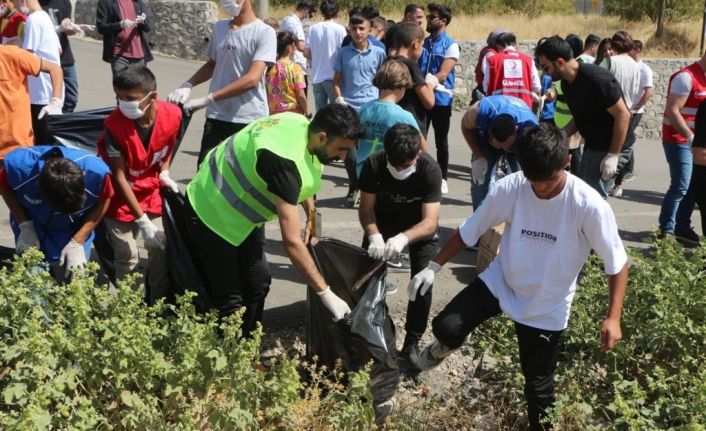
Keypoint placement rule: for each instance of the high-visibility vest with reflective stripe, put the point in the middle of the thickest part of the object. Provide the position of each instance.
(688, 111)
(510, 73)
(228, 194)
(562, 113)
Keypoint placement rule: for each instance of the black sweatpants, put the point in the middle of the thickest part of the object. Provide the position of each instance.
(40, 127)
(234, 276)
(440, 118)
(214, 132)
(420, 253)
(697, 188)
(539, 349)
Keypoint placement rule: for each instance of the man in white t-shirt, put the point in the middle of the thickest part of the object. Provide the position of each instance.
(293, 24)
(590, 48)
(324, 41)
(552, 222)
(239, 51)
(40, 38)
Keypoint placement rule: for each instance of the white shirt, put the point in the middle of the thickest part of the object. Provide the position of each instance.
(681, 84)
(41, 38)
(645, 82)
(234, 51)
(585, 58)
(325, 40)
(536, 83)
(627, 73)
(293, 24)
(544, 246)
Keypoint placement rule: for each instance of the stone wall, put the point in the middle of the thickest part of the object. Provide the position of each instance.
(179, 28)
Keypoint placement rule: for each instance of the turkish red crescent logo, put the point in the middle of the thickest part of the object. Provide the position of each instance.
(513, 65)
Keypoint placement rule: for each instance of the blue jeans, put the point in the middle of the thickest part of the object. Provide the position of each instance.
(70, 88)
(323, 94)
(492, 155)
(677, 204)
(590, 171)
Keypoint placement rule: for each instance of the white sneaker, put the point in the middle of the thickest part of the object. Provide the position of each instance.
(617, 192)
(444, 187)
(433, 354)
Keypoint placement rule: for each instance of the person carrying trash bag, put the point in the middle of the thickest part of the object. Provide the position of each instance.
(56, 197)
(259, 174)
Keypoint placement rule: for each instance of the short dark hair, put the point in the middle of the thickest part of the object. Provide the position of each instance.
(638, 44)
(357, 19)
(405, 34)
(575, 43)
(506, 39)
(62, 183)
(370, 12)
(591, 39)
(621, 42)
(135, 76)
(309, 5)
(378, 22)
(412, 7)
(402, 143)
(502, 127)
(284, 40)
(337, 121)
(542, 151)
(443, 11)
(554, 48)
(329, 9)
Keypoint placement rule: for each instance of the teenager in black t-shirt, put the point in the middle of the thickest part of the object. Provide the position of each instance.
(60, 13)
(399, 206)
(697, 186)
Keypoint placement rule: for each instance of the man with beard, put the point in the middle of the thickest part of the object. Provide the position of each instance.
(259, 174)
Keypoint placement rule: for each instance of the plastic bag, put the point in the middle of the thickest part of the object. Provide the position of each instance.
(368, 332)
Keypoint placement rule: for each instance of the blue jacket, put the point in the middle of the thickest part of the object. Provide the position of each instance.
(491, 107)
(54, 229)
(548, 110)
(430, 62)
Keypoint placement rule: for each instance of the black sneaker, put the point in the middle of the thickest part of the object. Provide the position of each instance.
(352, 198)
(399, 263)
(407, 359)
(687, 236)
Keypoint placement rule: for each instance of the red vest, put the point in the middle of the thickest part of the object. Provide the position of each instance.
(479, 65)
(11, 25)
(688, 111)
(142, 166)
(510, 73)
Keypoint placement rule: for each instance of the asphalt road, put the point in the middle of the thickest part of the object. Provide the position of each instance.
(636, 212)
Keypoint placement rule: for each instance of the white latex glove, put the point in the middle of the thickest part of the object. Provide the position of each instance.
(139, 19)
(181, 94)
(127, 23)
(86, 27)
(376, 249)
(431, 80)
(395, 245)
(28, 236)
(690, 140)
(200, 103)
(65, 26)
(443, 89)
(609, 166)
(154, 238)
(338, 307)
(422, 280)
(479, 167)
(53, 108)
(341, 101)
(166, 181)
(73, 256)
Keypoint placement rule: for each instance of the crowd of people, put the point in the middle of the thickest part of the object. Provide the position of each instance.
(560, 123)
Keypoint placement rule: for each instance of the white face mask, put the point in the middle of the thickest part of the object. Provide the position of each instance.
(404, 173)
(131, 109)
(24, 10)
(231, 7)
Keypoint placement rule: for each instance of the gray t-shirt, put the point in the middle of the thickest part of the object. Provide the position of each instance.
(234, 51)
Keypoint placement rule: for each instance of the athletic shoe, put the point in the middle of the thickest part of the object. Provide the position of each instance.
(390, 288)
(407, 358)
(399, 263)
(687, 236)
(617, 192)
(444, 187)
(352, 197)
(383, 410)
(432, 355)
(628, 177)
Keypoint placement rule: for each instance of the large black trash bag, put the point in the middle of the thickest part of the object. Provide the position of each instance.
(367, 333)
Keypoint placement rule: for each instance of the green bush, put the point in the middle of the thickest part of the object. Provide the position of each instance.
(80, 357)
(635, 10)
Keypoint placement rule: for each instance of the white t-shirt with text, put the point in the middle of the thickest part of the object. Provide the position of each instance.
(41, 38)
(324, 41)
(544, 246)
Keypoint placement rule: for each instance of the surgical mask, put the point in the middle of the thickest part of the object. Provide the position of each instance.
(404, 173)
(231, 7)
(131, 109)
(24, 10)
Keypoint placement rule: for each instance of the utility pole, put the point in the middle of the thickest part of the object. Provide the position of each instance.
(261, 8)
(660, 19)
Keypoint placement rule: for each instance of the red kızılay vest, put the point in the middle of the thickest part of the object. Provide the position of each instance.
(510, 73)
(142, 166)
(688, 111)
(11, 25)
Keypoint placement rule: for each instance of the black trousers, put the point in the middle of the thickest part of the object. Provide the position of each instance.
(697, 188)
(440, 118)
(214, 132)
(40, 127)
(349, 162)
(420, 253)
(234, 276)
(539, 349)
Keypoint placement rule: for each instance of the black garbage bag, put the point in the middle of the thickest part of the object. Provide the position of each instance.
(78, 129)
(367, 333)
(183, 273)
(7, 255)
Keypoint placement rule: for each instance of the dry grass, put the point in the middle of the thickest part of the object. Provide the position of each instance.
(681, 38)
